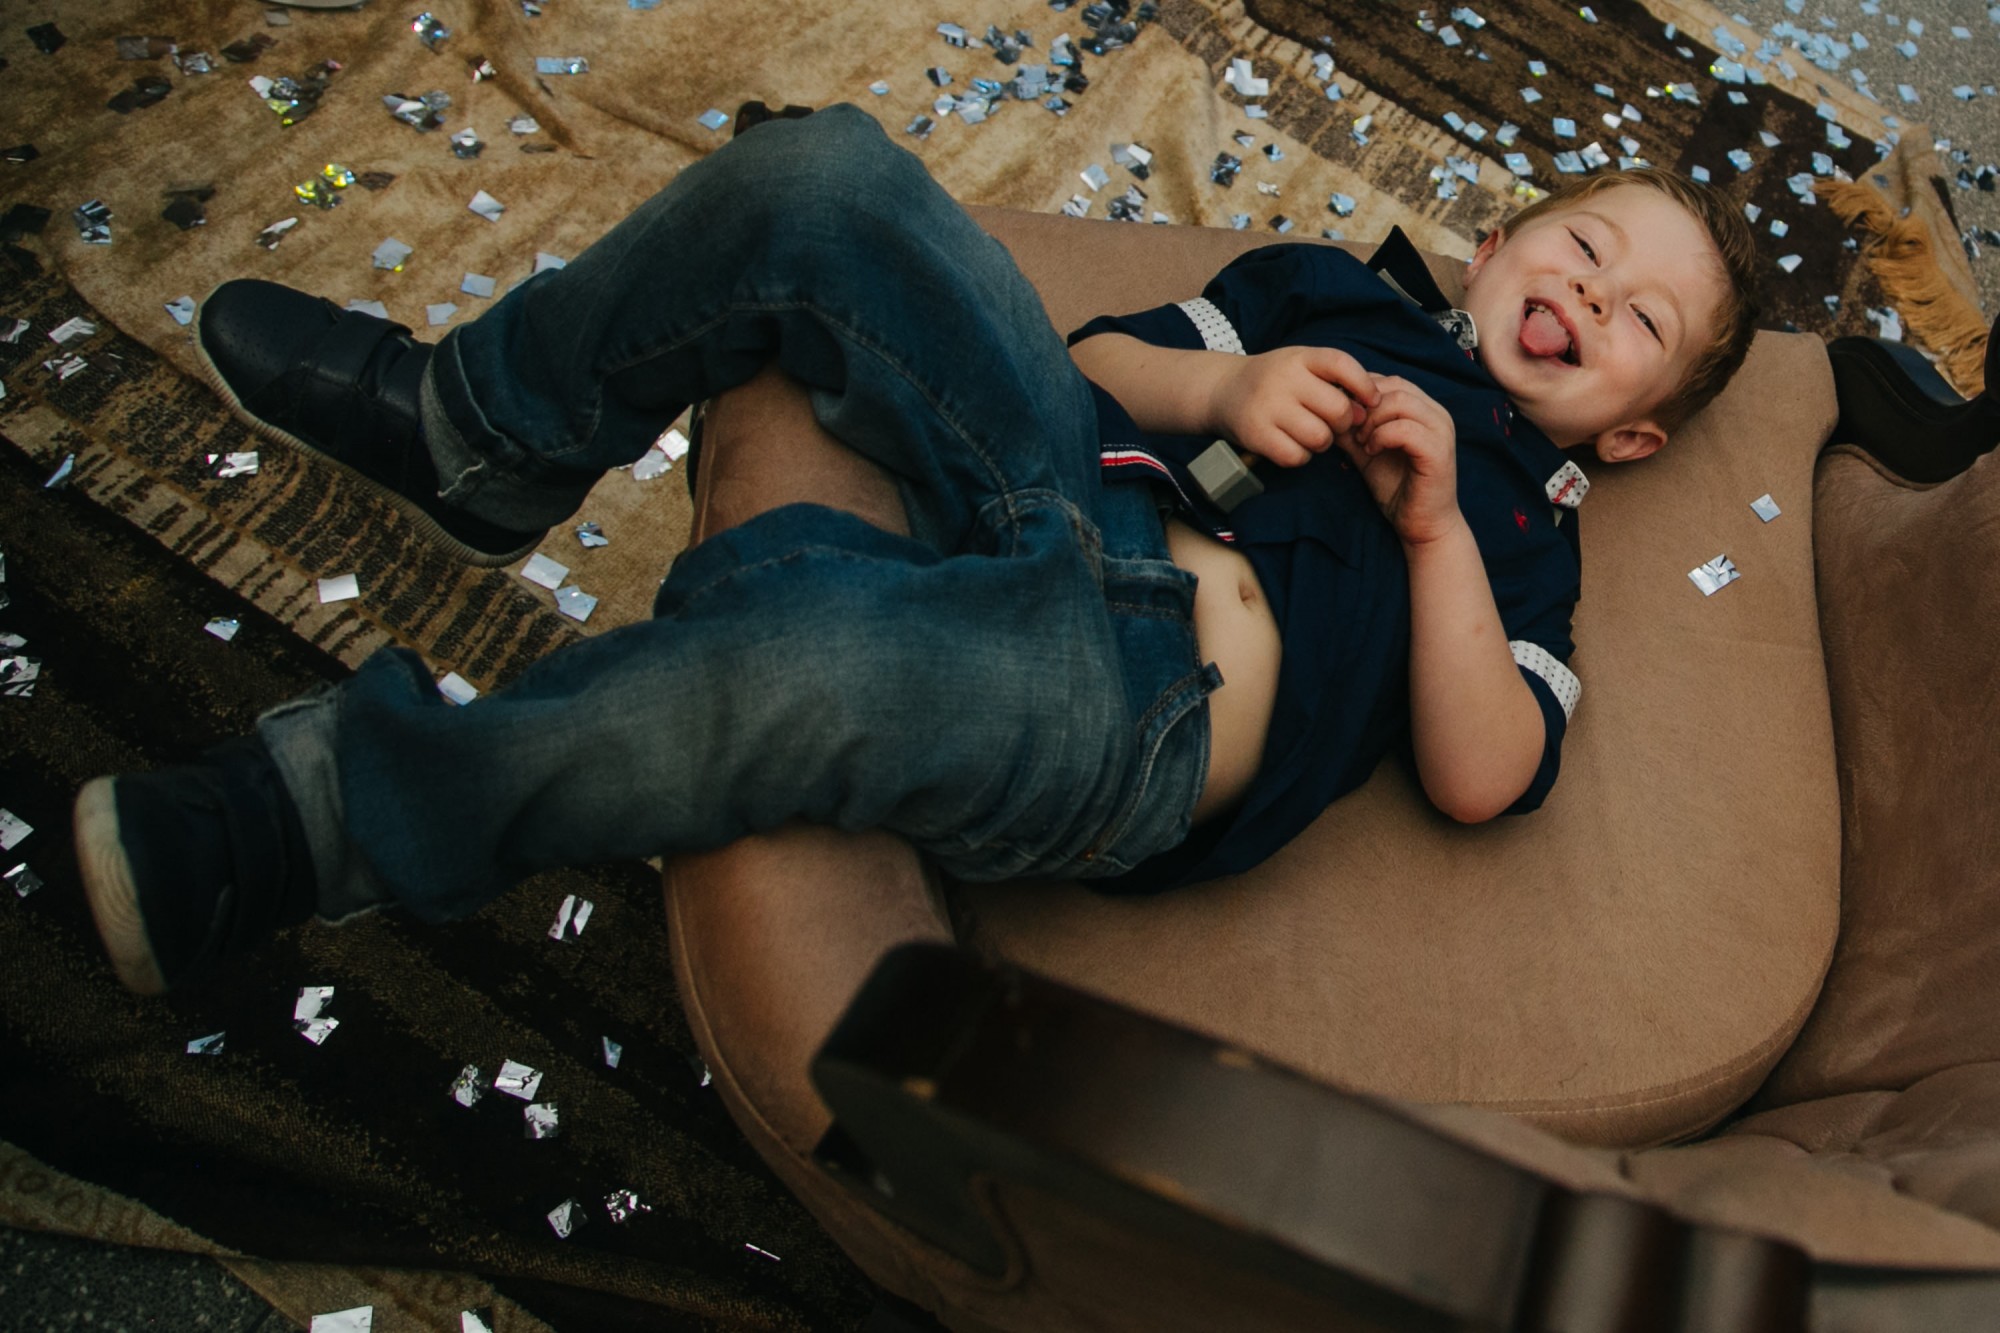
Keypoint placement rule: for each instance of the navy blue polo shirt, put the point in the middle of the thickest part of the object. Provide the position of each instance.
(1330, 563)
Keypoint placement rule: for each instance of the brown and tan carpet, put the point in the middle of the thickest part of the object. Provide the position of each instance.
(281, 1155)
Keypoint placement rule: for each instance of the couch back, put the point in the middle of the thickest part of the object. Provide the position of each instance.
(1624, 966)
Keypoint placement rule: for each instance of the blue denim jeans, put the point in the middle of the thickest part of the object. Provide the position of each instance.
(1014, 687)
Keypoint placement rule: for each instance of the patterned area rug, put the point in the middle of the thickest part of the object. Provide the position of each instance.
(352, 1152)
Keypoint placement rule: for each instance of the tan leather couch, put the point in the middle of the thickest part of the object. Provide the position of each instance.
(1709, 1041)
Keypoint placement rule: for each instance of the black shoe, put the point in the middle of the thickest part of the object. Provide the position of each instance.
(752, 114)
(343, 384)
(189, 867)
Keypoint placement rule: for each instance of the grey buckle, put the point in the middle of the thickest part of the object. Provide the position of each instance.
(1223, 476)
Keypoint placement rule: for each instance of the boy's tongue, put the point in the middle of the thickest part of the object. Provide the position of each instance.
(1542, 334)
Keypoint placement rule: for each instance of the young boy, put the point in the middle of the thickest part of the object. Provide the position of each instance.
(1032, 682)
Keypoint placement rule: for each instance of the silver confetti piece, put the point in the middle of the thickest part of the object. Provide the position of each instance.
(312, 1000)
(392, 254)
(467, 1089)
(712, 119)
(613, 1052)
(517, 1080)
(316, 1030)
(623, 1205)
(563, 915)
(342, 588)
(541, 1120)
(544, 572)
(429, 31)
(72, 330)
(1765, 507)
(209, 1045)
(477, 284)
(561, 65)
(243, 464)
(575, 603)
(18, 675)
(487, 206)
(1240, 77)
(13, 828)
(375, 308)
(360, 1319)
(182, 309)
(457, 689)
(761, 1252)
(25, 881)
(566, 1217)
(475, 1321)
(439, 312)
(93, 222)
(590, 534)
(60, 477)
(223, 628)
(1714, 575)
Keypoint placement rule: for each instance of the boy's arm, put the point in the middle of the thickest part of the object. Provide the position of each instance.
(1167, 390)
(1285, 405)
(1476, 726)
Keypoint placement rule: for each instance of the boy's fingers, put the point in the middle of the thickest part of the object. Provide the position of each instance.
(1305, 430)
(1338, 368)
(1331, 405)
(1351, 446)
(1281, 447)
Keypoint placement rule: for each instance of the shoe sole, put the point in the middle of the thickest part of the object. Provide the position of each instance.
(107, 884)
(427, 526)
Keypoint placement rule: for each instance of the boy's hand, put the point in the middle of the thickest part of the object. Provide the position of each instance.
(1407, 451)
(1289, 404)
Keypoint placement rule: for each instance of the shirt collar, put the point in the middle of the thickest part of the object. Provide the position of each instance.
(1397, 262)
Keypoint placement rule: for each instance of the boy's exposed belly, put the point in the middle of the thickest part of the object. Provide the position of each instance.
(1234, 629)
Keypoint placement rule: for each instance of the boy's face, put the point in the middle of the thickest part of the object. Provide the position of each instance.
(1589, 317)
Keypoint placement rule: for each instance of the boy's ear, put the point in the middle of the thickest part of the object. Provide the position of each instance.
(1630, 442)
(1482, 254)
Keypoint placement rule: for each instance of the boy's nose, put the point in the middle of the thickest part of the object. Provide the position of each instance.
(1586, 292)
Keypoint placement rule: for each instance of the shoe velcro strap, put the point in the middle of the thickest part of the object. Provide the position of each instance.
(340, 358)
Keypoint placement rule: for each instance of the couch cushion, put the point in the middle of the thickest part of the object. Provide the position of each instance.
(1622, 967)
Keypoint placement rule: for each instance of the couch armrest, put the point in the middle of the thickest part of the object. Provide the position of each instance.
(1145, 1176)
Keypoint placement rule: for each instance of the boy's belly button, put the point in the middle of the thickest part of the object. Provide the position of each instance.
(1234, 629)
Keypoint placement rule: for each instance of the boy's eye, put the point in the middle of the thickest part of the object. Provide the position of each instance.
(1651, 327)
(1584, 246)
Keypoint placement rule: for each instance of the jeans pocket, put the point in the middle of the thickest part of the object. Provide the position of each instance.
(1151, 602)
(1167, 781)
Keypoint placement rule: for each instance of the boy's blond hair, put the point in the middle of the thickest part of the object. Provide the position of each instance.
(1736, 319)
